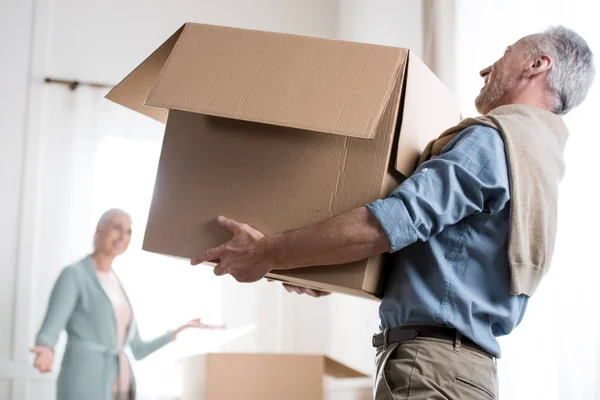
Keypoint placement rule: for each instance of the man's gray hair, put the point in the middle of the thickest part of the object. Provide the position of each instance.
(573, 70)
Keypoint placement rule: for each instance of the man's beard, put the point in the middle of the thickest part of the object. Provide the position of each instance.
(489, 96)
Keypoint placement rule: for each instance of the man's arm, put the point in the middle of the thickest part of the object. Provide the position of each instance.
(352, 236)
(249, 255)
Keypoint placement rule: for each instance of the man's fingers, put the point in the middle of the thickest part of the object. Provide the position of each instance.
(288, 287)
(213, 254)
(292, 288)
(297, 289)
(220, 270)
(196, 260)
(228, 224)
(303, 290)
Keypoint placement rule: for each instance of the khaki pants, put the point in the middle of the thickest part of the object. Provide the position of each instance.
(432, 369)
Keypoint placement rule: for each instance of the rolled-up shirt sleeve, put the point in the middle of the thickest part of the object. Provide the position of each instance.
(469, 176)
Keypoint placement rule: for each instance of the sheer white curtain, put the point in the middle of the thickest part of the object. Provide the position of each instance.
(555, 352)
(97, 155)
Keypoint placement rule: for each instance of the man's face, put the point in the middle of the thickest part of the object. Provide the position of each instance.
(502, 77)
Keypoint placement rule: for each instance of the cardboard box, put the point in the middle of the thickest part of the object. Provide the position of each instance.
(280, 131)
(248, 376)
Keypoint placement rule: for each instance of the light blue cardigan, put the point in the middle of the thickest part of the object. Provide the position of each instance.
(79, 304)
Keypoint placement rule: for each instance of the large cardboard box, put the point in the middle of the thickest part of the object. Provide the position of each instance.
(220, 376)
(280, 131)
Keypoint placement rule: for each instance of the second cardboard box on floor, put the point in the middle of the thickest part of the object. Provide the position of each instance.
(221, 376)
(280, 131)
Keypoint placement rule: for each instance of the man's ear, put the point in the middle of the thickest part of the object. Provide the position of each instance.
(539, 65)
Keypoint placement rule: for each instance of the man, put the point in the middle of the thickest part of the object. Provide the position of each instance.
(459, 279)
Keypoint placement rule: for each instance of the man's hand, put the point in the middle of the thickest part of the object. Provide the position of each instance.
(44, 358)
(244, 257)
(303, 290)
(249, 255)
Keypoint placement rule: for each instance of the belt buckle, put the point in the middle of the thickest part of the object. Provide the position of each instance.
(384, 334)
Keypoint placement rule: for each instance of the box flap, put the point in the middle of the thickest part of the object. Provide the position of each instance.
(132, 91)
(279, 79)
(429, 109)
(338, 370)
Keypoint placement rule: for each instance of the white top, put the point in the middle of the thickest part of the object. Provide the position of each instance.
(123, 316)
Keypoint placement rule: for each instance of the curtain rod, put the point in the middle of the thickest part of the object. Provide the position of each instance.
(74, 84)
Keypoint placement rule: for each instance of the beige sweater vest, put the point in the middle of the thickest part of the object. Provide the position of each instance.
(534, 141)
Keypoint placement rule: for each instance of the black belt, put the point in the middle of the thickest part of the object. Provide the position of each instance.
(412, 332)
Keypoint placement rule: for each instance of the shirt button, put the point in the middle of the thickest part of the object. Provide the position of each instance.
(425, 169)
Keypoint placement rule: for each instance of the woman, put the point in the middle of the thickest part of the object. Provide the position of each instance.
(89, 302)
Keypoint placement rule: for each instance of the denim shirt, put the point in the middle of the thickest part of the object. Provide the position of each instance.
(448, 227)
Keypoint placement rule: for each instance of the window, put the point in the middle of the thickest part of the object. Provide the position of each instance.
(165, 292)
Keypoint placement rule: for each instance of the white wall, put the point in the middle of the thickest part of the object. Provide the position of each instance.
(385, 22)
(13, 104)
(101, 40)
(15, 22)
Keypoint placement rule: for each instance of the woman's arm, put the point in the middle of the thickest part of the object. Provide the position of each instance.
(60, 307)
(142, 349)
(62, 302)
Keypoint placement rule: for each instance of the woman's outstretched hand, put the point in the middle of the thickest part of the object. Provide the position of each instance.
(197, 324)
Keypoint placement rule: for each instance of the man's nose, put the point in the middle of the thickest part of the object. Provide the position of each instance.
(485, 72)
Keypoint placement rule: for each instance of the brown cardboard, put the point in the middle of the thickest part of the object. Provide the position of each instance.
(285, 80)
(280, 131)
(217, 376)
(134, 89)
(421, 118)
